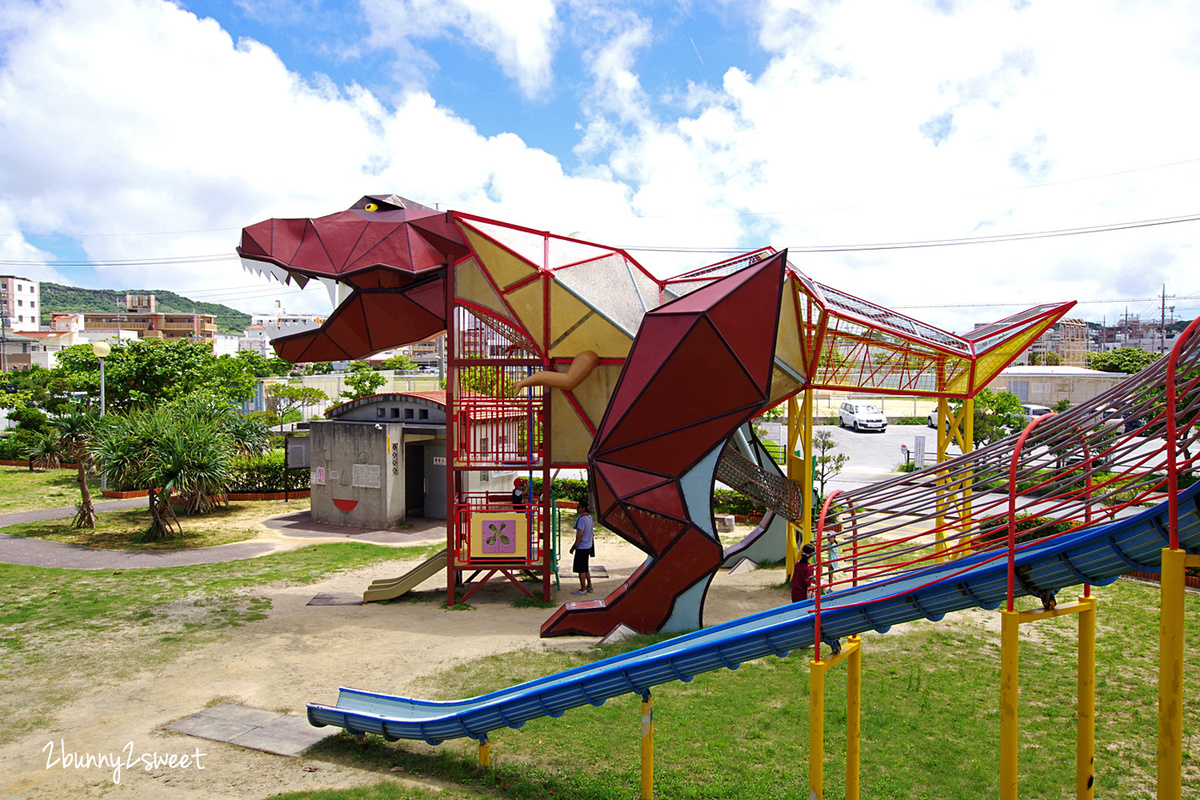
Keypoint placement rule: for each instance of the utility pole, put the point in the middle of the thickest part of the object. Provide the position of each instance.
(1163, 322)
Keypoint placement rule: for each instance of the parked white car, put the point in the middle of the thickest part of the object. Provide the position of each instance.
(1030, 412)
(862, 417)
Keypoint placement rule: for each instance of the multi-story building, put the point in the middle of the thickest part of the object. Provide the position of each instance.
(20, 303)
(140, 316)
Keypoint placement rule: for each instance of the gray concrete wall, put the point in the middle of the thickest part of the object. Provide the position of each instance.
(357, 483)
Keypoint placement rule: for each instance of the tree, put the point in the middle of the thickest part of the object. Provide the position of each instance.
(1053, 359)
(400, 362)
(147, 371)
(290, 398)
(362, 381)
(183, 447)
(997, 414)
(75, 432)
(828, 463)
(1127, 360)
(45, 450)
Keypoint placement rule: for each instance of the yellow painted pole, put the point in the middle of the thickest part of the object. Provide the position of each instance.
(1009, 643)
(1085, 731)
(816, 730)
(853, 712)
(795, 473)
(1170, 676)
(806, 480)
(485, 751)
(968, 446)
(647, 745)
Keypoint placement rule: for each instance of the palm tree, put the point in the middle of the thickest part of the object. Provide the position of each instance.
(76, 431)
(183, 448)
(45, 450)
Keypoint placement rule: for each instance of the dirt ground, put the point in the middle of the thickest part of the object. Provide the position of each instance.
(303, 653)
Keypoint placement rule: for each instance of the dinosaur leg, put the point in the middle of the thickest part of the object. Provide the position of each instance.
(665, 593)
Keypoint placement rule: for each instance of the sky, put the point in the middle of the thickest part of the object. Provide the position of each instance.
(958, 160)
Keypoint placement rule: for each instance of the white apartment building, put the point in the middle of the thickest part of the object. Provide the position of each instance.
(20, 303)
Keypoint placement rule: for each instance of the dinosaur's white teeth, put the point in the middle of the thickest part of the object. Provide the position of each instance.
(332, 287)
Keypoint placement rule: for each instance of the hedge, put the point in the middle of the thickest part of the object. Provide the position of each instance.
(725, 501)
(265, 474)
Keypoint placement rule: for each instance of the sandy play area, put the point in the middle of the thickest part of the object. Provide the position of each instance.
(301, 653)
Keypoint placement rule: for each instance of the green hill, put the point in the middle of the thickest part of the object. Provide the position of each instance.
(59, 299)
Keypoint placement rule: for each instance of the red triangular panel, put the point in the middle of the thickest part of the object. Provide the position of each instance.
(654, 344)
(659, 531)
(311, 254)
(626, 482)
(664, 499)
(701, 379)
(618, 519)
(748, 320)
(256, 239)
(677, 450)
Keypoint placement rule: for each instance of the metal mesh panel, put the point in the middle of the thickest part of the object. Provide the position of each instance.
(530, 246)
(763, 486)
(609, 288)
(483, 336)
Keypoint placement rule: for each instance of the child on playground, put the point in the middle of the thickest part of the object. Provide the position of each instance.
(802, 576)
(803, 587)
(584, 547)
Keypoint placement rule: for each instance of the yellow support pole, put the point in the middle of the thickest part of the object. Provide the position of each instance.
(1170, 675)
(806, 477)
(795, 472)
(816, 730)
(485, 751)
(853, 713)
(1009, 644)
(1085, 729)
(647, 746)
(1085, 734)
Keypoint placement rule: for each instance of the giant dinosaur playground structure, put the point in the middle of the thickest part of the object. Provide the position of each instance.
(651, 384)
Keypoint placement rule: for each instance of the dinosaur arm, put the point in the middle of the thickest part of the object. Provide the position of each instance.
(581, 366)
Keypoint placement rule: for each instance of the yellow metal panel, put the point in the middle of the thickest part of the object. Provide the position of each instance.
(504, 267)
(528, 302)
(789, 350)
(570, 439)
(595, 391)
(471, 285)
(575, 326)
(782, 385)
(990, 364)
(958, 376)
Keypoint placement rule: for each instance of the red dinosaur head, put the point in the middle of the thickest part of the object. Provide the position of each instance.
(384, 262)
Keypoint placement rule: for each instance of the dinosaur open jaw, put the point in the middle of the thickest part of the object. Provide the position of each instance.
(338, 291)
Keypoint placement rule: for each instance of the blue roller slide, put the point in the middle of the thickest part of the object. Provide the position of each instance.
(1096, 555)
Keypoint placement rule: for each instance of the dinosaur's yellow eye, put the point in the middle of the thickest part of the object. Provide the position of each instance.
(371, 207)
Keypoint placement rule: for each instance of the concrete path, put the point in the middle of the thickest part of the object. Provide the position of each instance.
(285, 532)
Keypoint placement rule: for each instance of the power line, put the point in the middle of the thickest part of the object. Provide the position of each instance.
(127, 262)
(1006, 237)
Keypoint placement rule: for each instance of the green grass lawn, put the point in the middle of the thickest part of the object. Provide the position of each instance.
(22, 490)
(930, 721)
(62, 631)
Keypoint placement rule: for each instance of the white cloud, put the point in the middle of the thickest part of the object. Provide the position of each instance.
(518, 35)
(867, 122)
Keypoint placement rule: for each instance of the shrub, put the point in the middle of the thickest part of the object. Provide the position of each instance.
(268, 473)
(994, 532)
(909, 421)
